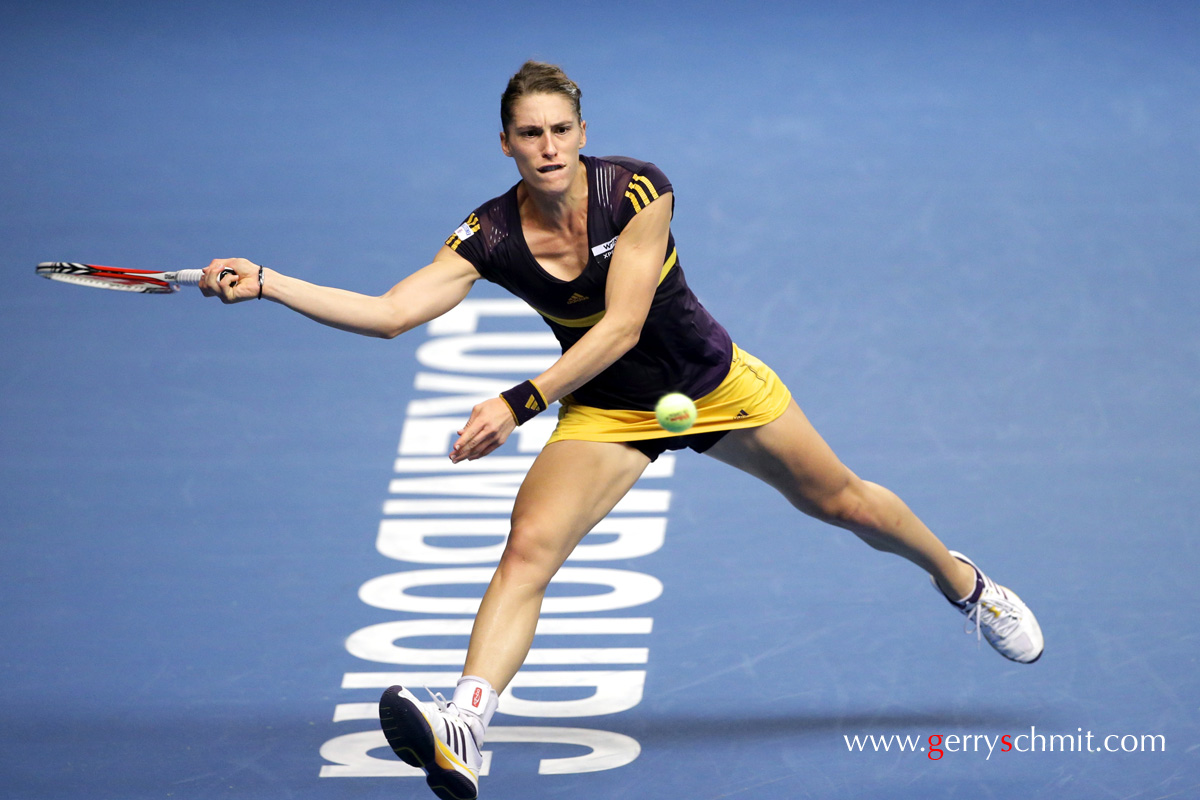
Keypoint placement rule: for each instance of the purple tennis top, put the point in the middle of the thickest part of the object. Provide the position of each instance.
(681, 349)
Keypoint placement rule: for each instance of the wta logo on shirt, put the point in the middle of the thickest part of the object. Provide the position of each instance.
(463, 232)
(603, 252)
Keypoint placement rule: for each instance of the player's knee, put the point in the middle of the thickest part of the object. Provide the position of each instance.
(848, 507)
(529, 555)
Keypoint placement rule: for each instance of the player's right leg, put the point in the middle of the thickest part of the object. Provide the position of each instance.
(571, 486)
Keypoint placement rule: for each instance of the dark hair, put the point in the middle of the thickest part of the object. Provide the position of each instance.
(535, 77)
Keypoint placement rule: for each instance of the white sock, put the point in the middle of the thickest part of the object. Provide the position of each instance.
(476, 698)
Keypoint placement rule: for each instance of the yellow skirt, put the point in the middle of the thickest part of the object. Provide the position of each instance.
(751, 395)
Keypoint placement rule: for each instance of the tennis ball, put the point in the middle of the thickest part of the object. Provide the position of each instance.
(676, 412)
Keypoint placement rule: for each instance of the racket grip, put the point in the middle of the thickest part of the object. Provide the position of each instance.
(189, 277)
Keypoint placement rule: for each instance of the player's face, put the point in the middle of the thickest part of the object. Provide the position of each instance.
(544, 139)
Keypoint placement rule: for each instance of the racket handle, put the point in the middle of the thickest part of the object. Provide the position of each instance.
(189, 277)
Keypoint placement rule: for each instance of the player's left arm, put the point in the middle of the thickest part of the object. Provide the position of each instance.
(633, 276)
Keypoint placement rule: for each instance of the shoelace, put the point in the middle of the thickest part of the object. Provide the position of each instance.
(438, 699)
(1005, 622)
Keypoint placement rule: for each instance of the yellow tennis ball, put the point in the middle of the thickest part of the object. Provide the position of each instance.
(675, 412)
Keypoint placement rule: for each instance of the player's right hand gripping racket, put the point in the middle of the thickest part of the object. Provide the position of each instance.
(123, 280)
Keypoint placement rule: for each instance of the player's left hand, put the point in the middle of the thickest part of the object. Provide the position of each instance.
(490, 424)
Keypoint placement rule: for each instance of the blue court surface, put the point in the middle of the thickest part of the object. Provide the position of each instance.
(965, 233)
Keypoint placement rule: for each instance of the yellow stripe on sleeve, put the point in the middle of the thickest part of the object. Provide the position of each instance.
(643, 180)
(641, 192)
(636, 187)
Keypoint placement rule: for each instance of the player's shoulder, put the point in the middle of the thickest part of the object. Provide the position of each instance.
(628, 184)
(493, 221)
(499, 210)
(622, 168)
(620, 162)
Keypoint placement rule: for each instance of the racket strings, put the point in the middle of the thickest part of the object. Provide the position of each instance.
(101, 283)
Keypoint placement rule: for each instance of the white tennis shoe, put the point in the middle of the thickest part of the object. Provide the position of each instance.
(1001, 618)
(432, 737)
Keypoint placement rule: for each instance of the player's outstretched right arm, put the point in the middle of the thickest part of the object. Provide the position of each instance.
(426, 294)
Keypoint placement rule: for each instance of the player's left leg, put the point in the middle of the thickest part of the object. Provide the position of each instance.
(789, 455)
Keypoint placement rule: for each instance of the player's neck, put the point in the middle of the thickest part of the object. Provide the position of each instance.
(559, 212)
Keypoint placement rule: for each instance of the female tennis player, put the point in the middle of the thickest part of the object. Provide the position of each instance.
(587, 243)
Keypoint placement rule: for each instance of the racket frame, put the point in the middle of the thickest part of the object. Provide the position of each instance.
(144, 281)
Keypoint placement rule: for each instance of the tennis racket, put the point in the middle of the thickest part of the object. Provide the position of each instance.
(123, 280)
